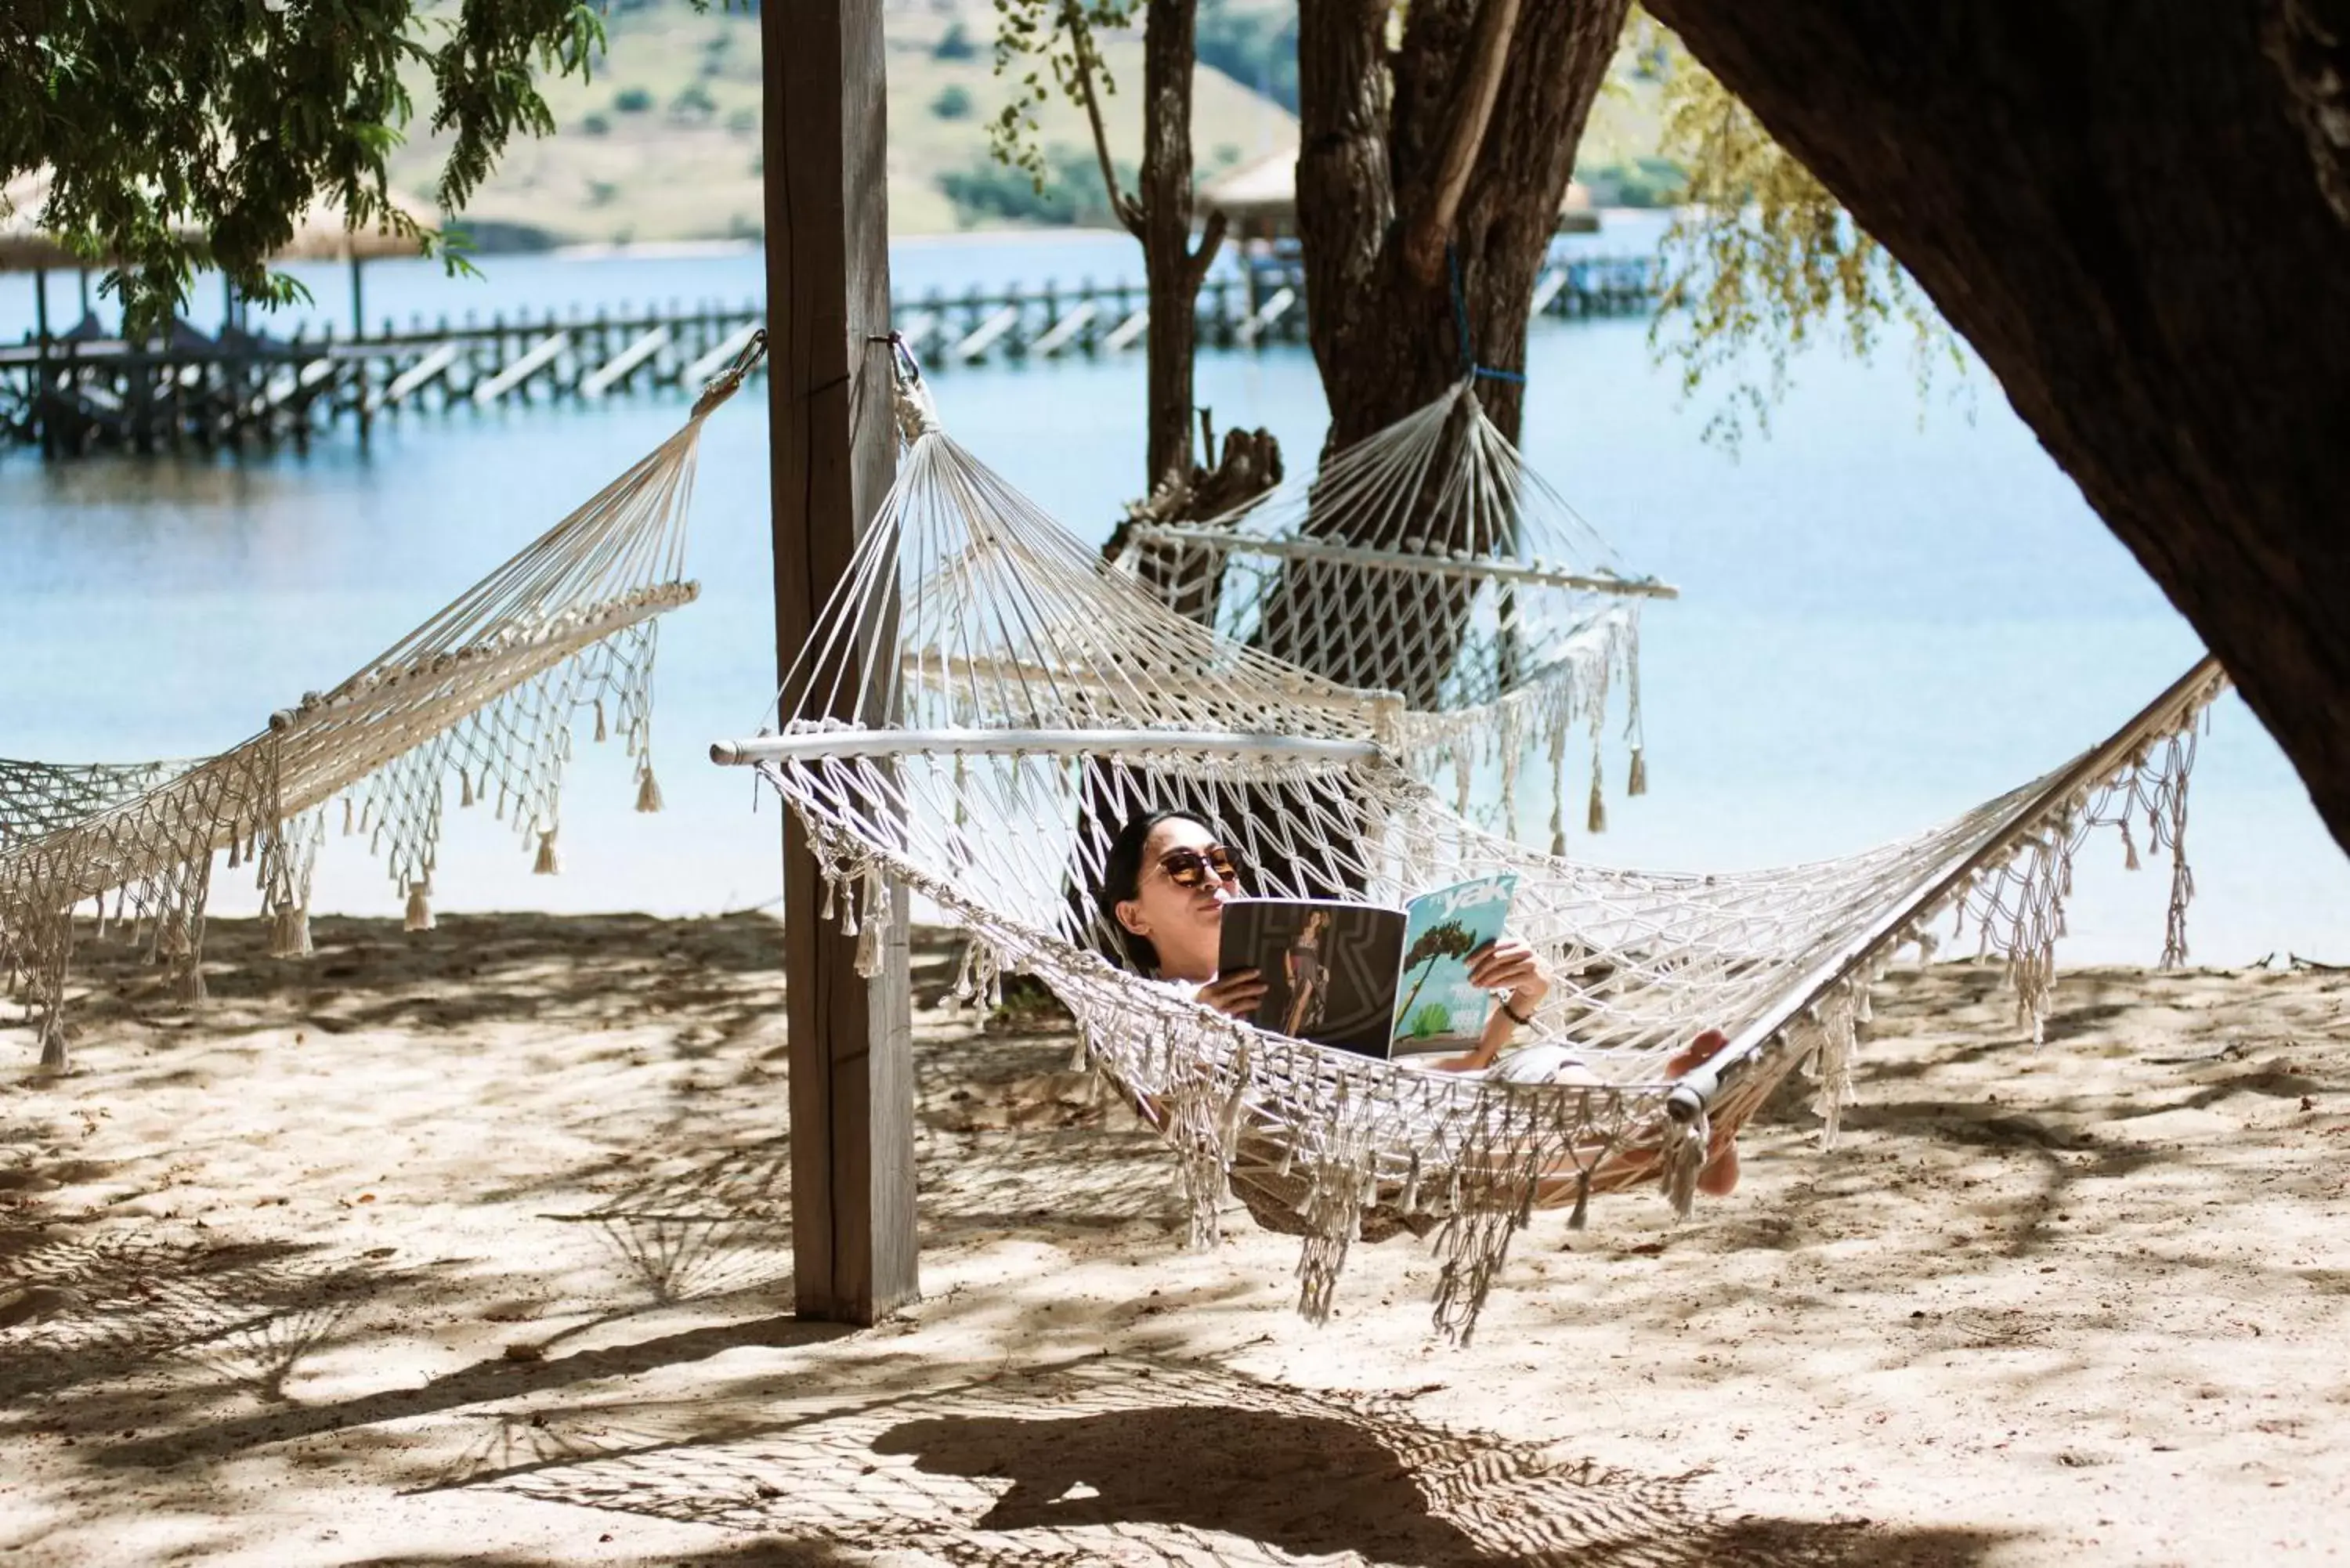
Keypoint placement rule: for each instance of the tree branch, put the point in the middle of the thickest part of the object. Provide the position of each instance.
(1125, 208)
(1438, 203)
(1211, 239)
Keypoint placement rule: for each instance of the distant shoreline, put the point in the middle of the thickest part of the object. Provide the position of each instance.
(643, 250)
(688, 250)
(1009, 233)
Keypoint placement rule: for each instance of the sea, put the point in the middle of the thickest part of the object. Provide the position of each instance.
(1893, 603)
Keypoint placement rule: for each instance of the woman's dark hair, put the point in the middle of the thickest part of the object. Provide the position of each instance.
(1122, 879)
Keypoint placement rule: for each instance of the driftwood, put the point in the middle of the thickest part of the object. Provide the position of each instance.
(1248, 466)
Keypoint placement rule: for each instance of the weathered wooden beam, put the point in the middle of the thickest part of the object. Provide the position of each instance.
(599, 381)
(288, 384)
(833, 456)
(1128, 331)
(1547, 289)
(983, 338)
(1275, 307)
(541, 355)
(434, 364)
(1057, 338)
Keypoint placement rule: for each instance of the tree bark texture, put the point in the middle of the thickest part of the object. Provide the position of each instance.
(1372, 132)
(2125, 211)
(1378, 130)
(1169, 266)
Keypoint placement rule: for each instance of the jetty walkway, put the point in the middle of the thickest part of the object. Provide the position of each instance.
(83, 392)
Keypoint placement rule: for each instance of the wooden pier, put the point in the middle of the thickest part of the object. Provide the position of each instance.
(84, 393)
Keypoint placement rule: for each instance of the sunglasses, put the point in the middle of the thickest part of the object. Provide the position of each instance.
(1193, 868)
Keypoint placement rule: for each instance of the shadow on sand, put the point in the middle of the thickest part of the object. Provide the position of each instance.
(1150, 1461)
(110, 1304)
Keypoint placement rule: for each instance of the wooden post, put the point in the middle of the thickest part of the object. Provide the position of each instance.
(42, 416)
(830, 432)
(359, 361)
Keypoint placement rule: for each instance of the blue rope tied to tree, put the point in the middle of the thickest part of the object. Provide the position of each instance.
(1469, 365)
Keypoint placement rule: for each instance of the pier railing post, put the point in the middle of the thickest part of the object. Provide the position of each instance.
(38, 408)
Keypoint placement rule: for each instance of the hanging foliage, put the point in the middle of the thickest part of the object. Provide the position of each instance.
(199, 132)
(1759, 261)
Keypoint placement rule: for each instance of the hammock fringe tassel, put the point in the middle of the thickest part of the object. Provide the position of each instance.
(290, 934)
(1685, 1148)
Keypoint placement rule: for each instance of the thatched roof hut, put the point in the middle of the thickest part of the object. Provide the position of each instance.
(1261, 198)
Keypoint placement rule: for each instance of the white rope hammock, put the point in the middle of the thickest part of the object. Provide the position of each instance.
(1430, 560)
(485, 690)
(982, 705)
(37, 799)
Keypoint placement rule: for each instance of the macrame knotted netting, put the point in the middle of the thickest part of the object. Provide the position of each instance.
(1430, 560)
(484, 695)
(982, 704)
(37, 799)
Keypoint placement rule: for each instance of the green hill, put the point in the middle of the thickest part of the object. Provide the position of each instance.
(663, 144)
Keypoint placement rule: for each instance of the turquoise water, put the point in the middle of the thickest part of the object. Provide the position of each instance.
(1885, 618)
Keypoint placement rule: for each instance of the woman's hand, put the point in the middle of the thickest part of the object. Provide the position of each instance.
(1237, 993)
(1509, 967)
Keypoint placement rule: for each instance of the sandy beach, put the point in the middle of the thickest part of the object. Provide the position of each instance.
(475, 1246)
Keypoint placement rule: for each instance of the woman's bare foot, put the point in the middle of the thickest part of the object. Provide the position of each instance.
(1719, 1175)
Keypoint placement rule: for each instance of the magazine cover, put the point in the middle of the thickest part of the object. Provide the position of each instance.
(1329, 968)
(1436, 1008)
(1374, 981)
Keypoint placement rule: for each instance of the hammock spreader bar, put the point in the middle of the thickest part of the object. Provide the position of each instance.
(1136, 745)
(1456, 564)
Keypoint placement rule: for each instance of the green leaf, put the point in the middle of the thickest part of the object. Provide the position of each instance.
(1761, 258)
(202, 130)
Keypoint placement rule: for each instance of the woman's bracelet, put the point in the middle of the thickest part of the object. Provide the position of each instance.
(1513, 1015)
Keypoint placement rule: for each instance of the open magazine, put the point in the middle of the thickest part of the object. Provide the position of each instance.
(1365, 978)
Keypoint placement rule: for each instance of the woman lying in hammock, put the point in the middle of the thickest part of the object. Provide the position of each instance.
(1165, 883)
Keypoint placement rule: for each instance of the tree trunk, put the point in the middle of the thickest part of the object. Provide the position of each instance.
(2125, 211)
(1376, 132)
(1172, 271)
(1385, 340)
(1175, 490)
